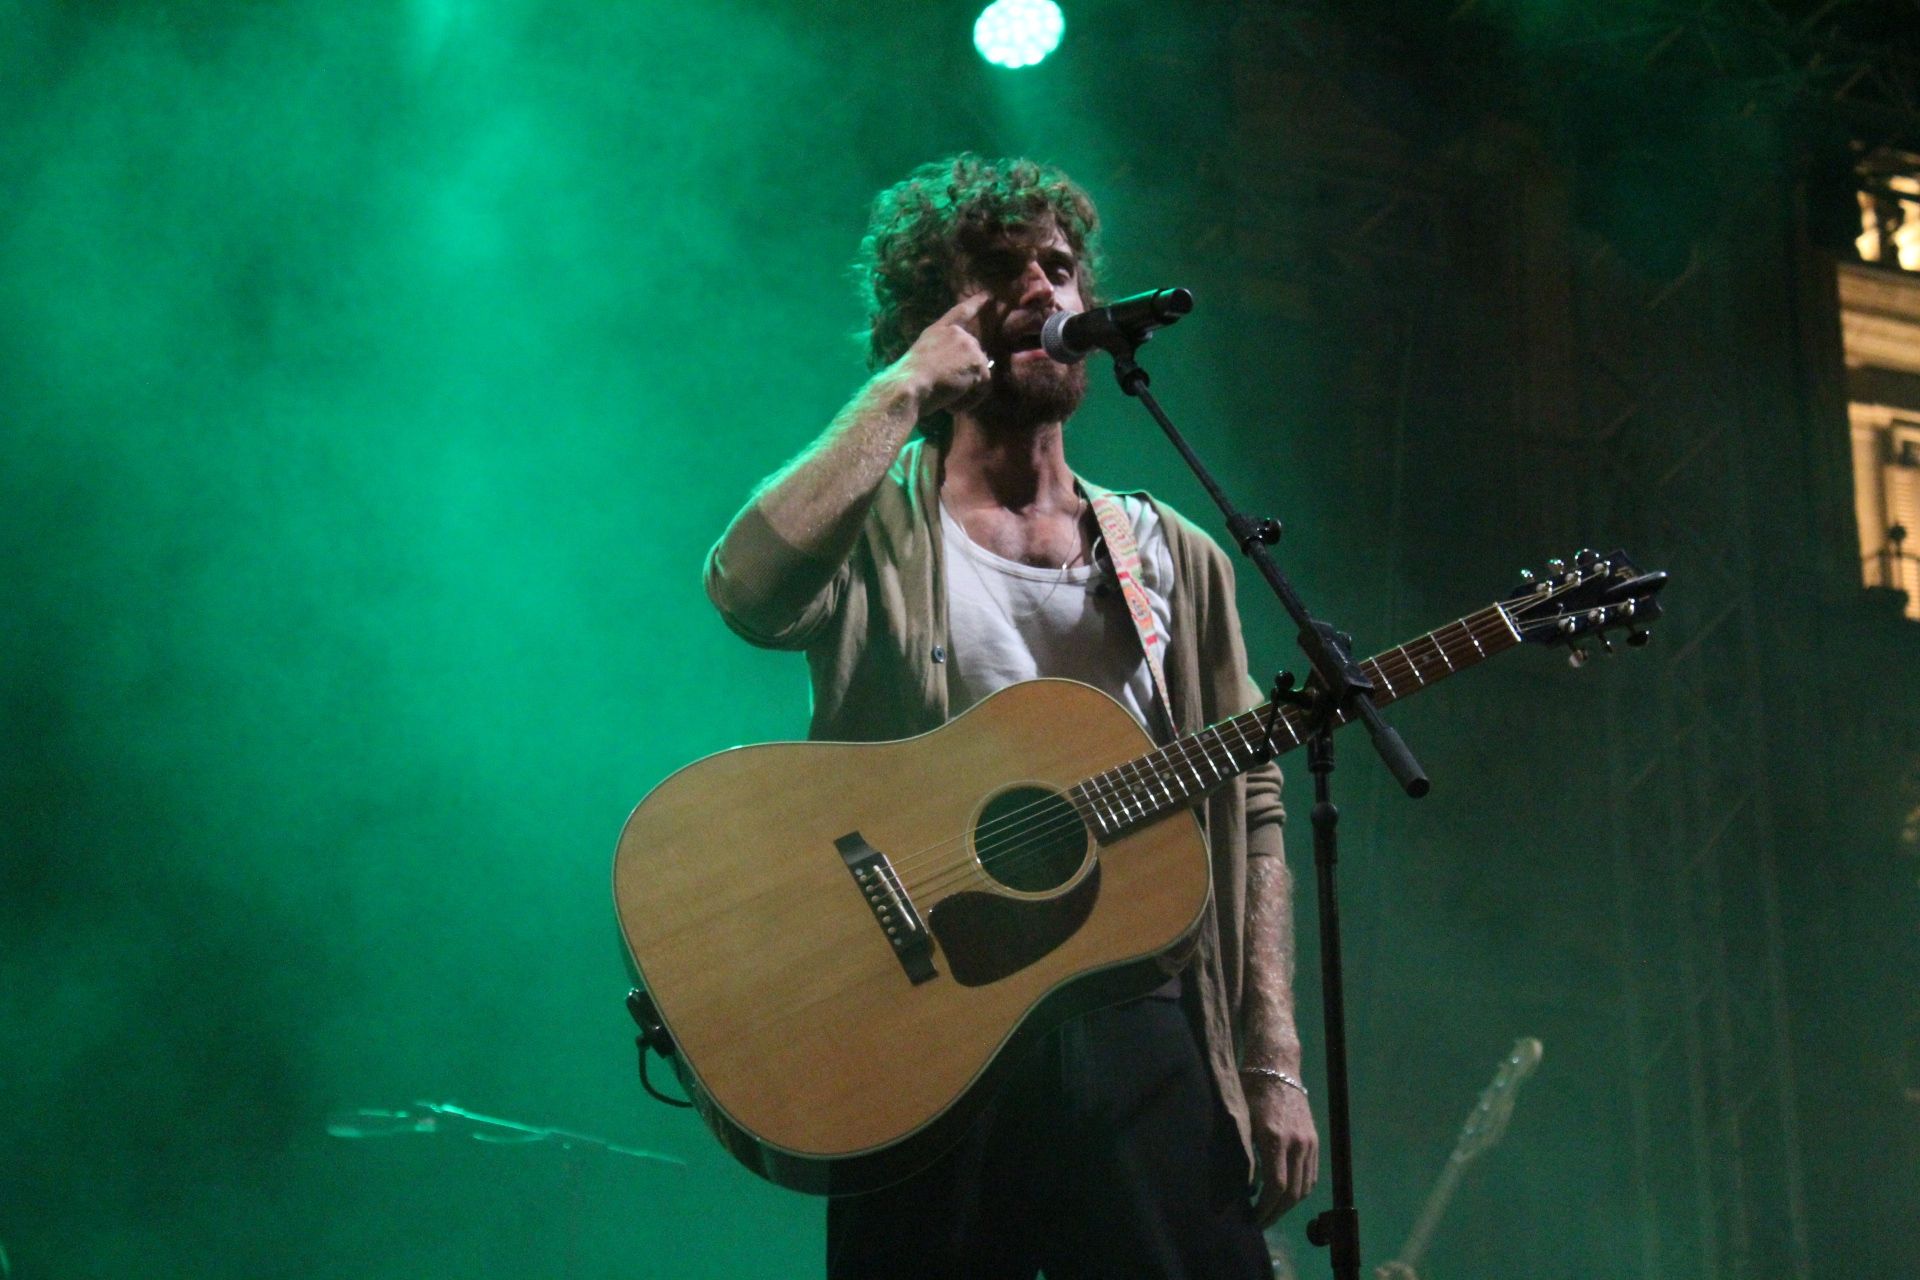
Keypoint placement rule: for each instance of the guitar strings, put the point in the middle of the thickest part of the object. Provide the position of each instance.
(995, 840)
(1003, 833)
(1006, 844)
(1005, 847)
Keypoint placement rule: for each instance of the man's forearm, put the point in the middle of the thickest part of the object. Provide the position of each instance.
(815, 503)
(798, 528)
(1271, 1038)
(802, 523)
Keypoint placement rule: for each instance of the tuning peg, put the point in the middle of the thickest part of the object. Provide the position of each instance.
(1577, 657)
(1526, 577)
(1556, 567)
(1587, 558)
(1639, 637)
(1606, 643)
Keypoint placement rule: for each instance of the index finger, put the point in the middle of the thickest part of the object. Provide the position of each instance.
(964, 312)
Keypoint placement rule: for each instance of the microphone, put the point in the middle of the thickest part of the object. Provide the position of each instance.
(1070, 337)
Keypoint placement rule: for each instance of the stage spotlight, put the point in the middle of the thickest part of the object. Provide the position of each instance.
(1018, 33)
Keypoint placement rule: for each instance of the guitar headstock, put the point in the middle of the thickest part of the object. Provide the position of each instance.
(1489, 1119)
(1586, 600)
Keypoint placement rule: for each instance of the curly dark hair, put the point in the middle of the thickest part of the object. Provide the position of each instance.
(925, 232)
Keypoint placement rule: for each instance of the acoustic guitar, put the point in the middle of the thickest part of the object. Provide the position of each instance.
(843, 941)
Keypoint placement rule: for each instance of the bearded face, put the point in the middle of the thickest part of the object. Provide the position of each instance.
(1029, 389)
(1028, 280)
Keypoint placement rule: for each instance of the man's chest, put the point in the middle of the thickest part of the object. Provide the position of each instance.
(1046, 541)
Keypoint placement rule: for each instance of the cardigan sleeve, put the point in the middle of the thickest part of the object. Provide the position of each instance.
(1265, 813)
(768, 591)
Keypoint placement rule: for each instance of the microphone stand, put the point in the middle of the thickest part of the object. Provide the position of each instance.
(447, 1118)
(1336, 686)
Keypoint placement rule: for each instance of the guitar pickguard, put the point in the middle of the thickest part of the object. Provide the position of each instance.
(987, 937)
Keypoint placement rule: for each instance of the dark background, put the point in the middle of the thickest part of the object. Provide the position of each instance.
(375, 377)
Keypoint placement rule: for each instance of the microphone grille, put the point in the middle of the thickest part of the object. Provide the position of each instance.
(1053, 339)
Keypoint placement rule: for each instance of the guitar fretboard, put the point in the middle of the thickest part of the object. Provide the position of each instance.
(1186, 770)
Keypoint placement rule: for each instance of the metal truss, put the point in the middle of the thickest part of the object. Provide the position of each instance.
(1717, 1161)
(1858, 57)
(1663, 422)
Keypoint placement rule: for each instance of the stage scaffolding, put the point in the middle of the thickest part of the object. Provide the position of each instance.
(1638, 386)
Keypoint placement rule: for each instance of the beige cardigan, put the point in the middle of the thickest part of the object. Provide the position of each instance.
(874, 629)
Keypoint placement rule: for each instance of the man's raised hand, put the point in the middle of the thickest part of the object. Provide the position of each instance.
(946, 366)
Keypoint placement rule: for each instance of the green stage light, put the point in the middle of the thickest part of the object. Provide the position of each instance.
(1018, 33)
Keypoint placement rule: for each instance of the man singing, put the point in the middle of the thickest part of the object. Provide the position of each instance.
(921, 575)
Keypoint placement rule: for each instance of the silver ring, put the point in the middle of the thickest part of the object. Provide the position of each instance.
(989, 366)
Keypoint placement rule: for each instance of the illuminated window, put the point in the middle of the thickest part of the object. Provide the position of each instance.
(1880, 326)
(1889, 196)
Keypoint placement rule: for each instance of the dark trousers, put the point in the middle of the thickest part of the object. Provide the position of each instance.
(1105, 1155)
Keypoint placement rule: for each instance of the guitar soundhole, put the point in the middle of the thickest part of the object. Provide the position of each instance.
(1030, 839)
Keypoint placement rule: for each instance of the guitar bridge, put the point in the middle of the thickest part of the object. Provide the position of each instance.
(892, 909)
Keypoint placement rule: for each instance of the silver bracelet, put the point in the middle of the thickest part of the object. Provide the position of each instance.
(1281, 1077)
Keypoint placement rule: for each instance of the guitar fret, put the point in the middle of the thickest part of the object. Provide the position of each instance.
(1092, 788)
(1113, 797)
(1412, 666)
(1199, 783)
(1206, 753)
(1247, 735)
(1225, 747)
(1156, 776)
(1083, 806)
(1083, 801)
(1141, 789)
(1160, 771)
(1284, 721)
(1116, 815)
(1241, 730)
(1413, 663)
(1374, 671)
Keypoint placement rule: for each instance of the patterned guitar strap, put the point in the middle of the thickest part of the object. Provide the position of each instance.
(1125, 554)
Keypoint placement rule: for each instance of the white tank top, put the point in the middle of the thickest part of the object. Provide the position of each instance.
(1009, 621)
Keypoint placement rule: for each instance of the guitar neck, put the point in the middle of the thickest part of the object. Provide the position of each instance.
(1188, 769)
(1414, 1251)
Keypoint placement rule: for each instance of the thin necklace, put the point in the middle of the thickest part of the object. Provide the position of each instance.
(977, 558)
(1080, 551)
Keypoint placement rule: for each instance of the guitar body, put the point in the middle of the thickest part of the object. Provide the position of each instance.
(755, 890)
(845, 942)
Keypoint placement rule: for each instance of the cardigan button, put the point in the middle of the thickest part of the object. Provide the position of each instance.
(939, 653)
